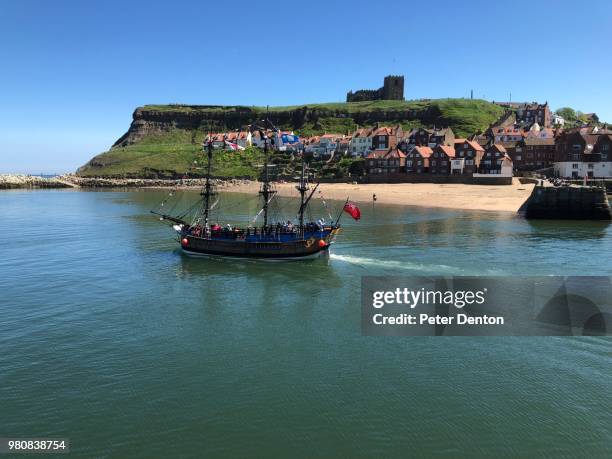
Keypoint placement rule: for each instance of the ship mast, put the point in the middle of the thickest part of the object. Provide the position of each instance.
(207, 192)
(302, 188)
(266, 191)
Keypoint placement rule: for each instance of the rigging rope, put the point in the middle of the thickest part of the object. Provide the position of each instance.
(262, 209)
(325, 205)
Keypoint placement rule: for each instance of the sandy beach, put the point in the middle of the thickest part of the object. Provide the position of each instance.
(501, 198)
(453, 196)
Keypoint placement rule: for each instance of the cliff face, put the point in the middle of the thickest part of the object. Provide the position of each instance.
(151, 120)
(147, 121)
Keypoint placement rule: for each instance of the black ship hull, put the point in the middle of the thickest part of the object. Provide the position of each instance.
(298, 249)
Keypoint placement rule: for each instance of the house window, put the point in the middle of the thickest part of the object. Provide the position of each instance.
(574, 166)
(409, 163)
(576, 147)
(590, 166)
(605, 147)
(419, 162)
(433, 163)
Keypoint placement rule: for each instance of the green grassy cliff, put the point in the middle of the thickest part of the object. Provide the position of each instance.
(164, 140)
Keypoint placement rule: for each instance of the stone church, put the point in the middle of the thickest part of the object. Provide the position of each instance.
(393, 89)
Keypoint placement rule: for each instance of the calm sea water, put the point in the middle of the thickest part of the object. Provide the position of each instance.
(111, 337)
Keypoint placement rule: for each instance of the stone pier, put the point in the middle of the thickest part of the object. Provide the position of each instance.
(567, 202)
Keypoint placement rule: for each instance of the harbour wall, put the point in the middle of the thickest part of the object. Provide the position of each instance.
(567, 202)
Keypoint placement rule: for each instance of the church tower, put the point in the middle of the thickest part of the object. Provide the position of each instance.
(393, 88)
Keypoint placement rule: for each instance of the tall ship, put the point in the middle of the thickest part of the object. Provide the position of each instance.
(281, 239)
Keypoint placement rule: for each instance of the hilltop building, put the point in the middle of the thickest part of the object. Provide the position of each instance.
(530, 113)
(393, 89)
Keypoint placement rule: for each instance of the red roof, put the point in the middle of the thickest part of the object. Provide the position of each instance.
(449, 151)
(425, 152)
(475, 145)
(395, 153)
(385, 130)
(362, 133)
(499, 147)
(376, 154)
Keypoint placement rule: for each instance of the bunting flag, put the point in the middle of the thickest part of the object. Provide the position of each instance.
(352, 210)
(233, 146)
(289, 139)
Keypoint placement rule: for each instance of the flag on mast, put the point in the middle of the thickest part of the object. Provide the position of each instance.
(351, 209)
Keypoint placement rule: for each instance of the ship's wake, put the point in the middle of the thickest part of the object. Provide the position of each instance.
(365, 262)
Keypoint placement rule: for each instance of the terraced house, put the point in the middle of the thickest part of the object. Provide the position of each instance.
(429, 137)
(417, 160)
(535, 151)
(469, 153)
(440, 159)
(385, 137)
(493, 160)
(391, 161)
(534, 113)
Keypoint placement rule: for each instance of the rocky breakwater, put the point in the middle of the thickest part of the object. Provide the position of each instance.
(105, 182)
(12, 181)
(567, 202)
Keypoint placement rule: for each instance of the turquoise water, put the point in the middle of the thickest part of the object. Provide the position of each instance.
(112, 338)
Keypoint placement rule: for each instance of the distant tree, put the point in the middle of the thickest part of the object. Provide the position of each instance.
(569, 114)
(357, 167)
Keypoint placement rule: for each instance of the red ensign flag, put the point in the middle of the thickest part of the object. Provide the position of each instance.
(352, 210)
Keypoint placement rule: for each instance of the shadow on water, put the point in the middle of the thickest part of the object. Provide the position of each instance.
(316, 269)
(569, 229)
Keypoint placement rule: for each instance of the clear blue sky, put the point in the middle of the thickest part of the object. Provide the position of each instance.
(73, 71)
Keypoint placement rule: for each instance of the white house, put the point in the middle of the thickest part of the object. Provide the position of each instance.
(558, 120)
(361, 142)
(457, 166)
(580, 169)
